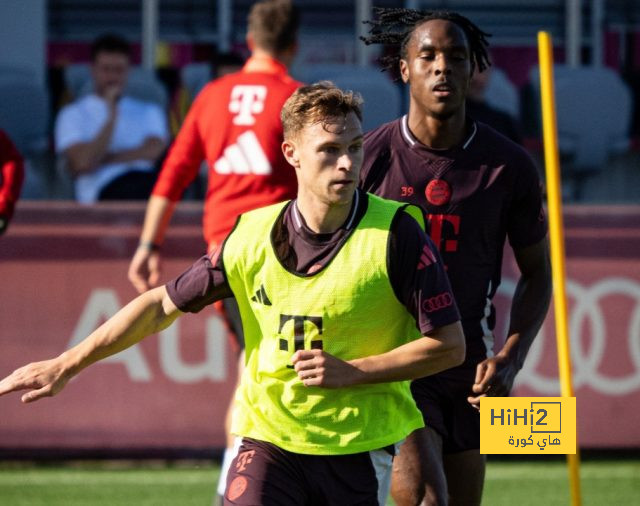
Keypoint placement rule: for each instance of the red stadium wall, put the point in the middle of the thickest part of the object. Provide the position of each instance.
(63, 271)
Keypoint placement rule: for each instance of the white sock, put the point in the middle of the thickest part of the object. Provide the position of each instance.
(229, 455)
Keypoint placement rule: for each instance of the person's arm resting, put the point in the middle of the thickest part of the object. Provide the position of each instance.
(85, 157)
(149, 150)
(147, 314)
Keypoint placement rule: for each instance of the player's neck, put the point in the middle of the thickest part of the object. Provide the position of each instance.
(320, 216)
(263, 60)
(437, 133)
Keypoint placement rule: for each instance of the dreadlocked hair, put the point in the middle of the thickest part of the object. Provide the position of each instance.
(395, 26)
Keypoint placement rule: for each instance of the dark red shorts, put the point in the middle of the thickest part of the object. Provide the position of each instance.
(264, 474)
(442, 398)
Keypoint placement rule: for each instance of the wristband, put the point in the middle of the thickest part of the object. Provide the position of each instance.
(149, 245)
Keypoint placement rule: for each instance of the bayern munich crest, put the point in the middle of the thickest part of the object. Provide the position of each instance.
(438, 192)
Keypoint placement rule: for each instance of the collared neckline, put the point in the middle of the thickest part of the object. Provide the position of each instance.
(348, 224)
(412, 141)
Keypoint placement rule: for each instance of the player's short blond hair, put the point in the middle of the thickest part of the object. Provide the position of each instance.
(273, 24)
(317, 103)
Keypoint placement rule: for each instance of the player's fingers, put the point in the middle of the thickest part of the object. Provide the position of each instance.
(9, 384)
(313, 381)
(303, 355)
(308, 374)
(483, 383)
(141, 286)
(19, 380)
(137, 279)
(310, 366)
(480, 371)
(155, 271)
(154, 277)
(140, 283)
(34, 395)
(475, 401)
(139, 270)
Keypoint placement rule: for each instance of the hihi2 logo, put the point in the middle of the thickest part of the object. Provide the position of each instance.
(528, 425)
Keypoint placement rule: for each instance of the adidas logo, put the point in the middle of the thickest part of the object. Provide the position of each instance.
(261, 297)
(246, 156)
(427, 258)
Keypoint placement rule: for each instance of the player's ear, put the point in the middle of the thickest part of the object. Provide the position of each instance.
(404, 71)
(250, 42)
(290, 153)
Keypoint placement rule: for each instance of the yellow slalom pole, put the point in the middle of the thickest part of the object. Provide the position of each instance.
(556, 235)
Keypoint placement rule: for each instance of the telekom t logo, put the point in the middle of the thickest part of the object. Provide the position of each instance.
(246, 101)
(298, 332)
(442, 226)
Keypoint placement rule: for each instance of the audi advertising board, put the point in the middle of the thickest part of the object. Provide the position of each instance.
(63, 271)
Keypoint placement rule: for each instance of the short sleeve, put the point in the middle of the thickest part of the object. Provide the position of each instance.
(157, 122)
(200, 285)
(418, 276)
(526, 221)
(70, 129)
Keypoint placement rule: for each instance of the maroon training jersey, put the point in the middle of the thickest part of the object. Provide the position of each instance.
(415, 270)
(475, 196)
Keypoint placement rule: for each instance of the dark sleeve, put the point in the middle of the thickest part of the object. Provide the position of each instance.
(376, 160)
(418, 276)
(200, 285)
(526, 222)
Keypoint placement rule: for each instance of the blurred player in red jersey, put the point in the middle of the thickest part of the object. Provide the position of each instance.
(234, 126)
(11, 178)
(478, 189)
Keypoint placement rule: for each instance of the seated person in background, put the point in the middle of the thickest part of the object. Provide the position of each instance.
(11, 178)
(479, 109)
(111, 142)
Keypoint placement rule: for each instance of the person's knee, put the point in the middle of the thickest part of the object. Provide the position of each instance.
(418, 476)
(407, 490)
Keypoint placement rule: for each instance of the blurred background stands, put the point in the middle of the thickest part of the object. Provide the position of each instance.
(56, 34)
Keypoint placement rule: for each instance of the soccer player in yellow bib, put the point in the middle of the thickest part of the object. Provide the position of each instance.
(343, 300)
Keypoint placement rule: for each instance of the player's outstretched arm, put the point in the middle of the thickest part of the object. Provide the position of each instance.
(145, 267)
(495, 375)
(147, 314)
(442, 349)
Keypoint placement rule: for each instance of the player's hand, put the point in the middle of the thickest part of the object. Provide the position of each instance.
(111, 95)
(44, 379)
(494, 378)
(145, 269)
(319, 368)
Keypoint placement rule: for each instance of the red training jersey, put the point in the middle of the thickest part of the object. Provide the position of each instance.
(11, 176)
(234, 126)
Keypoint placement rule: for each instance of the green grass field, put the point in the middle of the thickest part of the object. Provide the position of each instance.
(604, 483)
